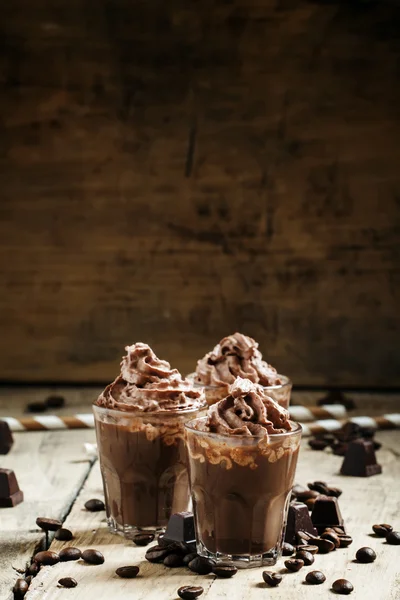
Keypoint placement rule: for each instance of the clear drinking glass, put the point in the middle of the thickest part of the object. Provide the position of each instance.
(143, 464)
(241, 489)
(280, 393)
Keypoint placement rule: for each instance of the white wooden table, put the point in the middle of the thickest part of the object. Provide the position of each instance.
(57, 478)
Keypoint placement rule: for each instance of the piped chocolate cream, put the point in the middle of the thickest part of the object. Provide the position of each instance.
(148, 384)
(236, 355)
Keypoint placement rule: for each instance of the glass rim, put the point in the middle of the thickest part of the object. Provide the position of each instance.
(150, 413)
(279, 386)
(190, 427)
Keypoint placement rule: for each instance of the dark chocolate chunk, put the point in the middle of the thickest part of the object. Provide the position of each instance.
(315, 577)
(272, 579)
(180, 528)
(48, 524)
(342, 586)
(224, 571)
(337, 397)
(127, 572)
(298, 520)
(393, 538)
(326, 513)
(190, 592)
(70, 553)
(318, 444)
(93, 557)
(6, 438)
(36, 407)
(360, 460)
(10, 494)
(55, 401)
(20, 588)
(67, 582)
(94, 505)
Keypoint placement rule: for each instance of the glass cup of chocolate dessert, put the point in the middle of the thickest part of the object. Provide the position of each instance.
(238, 356)
(139, 422)
(242, 463)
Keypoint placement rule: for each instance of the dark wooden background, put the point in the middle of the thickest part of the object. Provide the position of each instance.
(174, 171)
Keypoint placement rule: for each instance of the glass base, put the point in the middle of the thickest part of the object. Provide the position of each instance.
(129, 531)
(242, 561)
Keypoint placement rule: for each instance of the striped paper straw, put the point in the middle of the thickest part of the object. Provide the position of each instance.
(389, 421)
(305, 414)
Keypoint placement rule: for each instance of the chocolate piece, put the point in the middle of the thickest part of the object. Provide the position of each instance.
(10, 494)
(360, 460)
(337, 397)
(6, 438)
(55, 401)
(326, 513)
(180, 528)
(298, 520)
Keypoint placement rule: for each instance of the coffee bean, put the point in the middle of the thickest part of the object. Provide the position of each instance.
(324, 546)
(307, 494)
(156, 554)
(332, 537)
(36, 407)
(306, 557)
(294, 564)
(67, 582)
(310, 503)
(47, 557)
(318, 444)
(342, 586)
(33, 569)
(273, 579)
(319, 486)
(55, 401)
(63, 535)
(20, 588)
(334, 491)
(189, 557)
(143, 539)
(28, 579)
(336, 529)
(127, 572)
(48, 524)
(173, 561)
(345, 540)
(304, 536)
(190, 592)
(93, 557)
(393, 538)
(298, 489)
(201, 565)
(382, 529)
(70, 553)
(315, 577)
(94, 505)
(224, 571)
(308, 548)
(365, 555)
(287, 549)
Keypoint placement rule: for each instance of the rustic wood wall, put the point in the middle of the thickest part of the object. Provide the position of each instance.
(174, 171)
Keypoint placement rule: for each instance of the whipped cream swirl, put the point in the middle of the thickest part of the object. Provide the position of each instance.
(235, 356)
(148, 384)
(247, 411)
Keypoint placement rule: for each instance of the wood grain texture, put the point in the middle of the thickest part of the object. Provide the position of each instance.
(364, 502)
(173, 173)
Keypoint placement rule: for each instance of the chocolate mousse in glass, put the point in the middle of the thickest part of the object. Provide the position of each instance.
(242, 463)
(140, 435)
(237, 355)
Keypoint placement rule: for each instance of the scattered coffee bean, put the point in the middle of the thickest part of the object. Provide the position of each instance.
(190, 592)
(55, 401)
(143, 539)
(307, 494)
(365, 555)
(189, 557)
(94, 505)
(28, 579)
(306, 557)
(70, 553)
(201, 565)
(303, 536)
(332, 537)
(337, 529)
(67, 582)
(319, 486)
(224, 571)
(33, 569)
(93, 557)
(287, 549)
(173, 561)
(272, 579)
(63, 535)
(393, 538)
(47, 557)
(298, 489)
(315, 577)
(342, 586)
(308, 548)
(127, 572)
(36, 407)
(294, 564)
(156, 554)
(318, 444)
(335, 491)
(382, 529)
(324, 546)
(20, 589)
(48, 524)
(345, 540)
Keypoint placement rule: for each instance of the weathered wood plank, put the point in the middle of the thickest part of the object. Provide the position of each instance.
(50, 468)
(364, 502)
(176, 173)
